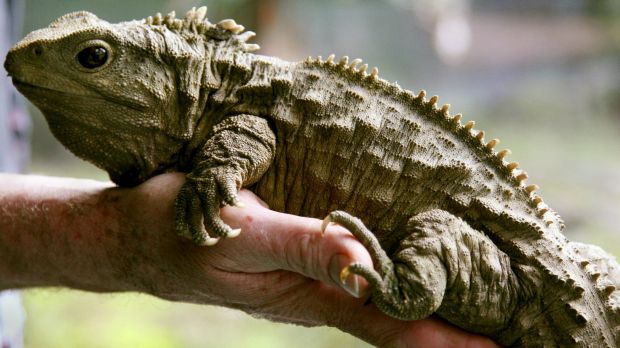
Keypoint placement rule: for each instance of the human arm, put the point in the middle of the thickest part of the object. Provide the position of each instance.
(92, 236)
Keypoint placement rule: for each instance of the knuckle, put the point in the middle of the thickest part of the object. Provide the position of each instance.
(303, 255)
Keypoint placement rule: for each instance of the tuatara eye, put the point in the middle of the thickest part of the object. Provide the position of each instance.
(93, 57)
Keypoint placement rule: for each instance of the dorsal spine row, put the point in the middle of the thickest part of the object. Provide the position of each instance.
(431, 109)
(196, 23)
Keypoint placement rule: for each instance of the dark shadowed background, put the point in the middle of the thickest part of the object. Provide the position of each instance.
(544, 77)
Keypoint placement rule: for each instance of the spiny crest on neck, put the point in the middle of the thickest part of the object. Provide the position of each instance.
(196, 23)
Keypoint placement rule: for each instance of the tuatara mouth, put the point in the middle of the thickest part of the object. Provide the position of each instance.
(26, 86)
(19, 83)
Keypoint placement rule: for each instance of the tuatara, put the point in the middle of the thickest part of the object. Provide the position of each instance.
(451, 225)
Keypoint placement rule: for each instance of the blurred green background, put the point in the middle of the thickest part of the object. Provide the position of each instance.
(542, 76)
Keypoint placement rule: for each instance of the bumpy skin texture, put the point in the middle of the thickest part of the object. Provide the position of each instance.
(451, 226)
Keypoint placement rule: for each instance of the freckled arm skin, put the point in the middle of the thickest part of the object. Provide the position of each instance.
(75, 233)
(51, 234)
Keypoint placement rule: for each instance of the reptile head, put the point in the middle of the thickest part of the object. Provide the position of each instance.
(107, 91)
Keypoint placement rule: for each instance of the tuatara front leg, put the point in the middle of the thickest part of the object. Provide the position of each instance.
(443, 266)
(238, 152)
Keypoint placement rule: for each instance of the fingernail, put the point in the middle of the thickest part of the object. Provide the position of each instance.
(340, 275)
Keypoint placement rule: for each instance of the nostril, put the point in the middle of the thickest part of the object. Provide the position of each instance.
(8, 63)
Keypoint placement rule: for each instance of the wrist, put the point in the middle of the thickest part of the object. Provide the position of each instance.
(148, 250)
(57, 232)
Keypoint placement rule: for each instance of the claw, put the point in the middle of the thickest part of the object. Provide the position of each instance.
(325, 223)
(344, 274)
(211, 241)
(233, 233)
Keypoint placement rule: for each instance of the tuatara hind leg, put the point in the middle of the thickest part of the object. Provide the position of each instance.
(238, 152)
(391, 288)
(440, 266)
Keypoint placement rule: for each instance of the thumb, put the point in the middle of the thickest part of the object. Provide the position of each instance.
(293, 243)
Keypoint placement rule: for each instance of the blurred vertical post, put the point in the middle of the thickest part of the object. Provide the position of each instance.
(14, 128)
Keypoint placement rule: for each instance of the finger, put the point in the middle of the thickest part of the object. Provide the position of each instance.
(369, 324)
(434, 332)
(311, 303)
(281, 241)
(248, 197)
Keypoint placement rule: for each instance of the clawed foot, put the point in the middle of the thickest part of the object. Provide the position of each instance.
(382, 280)
(197, 206)
(382, 262)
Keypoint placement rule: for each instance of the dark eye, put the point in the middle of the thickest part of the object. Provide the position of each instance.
(93, 57)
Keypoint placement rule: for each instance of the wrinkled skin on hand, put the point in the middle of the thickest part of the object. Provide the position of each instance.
(281, 268)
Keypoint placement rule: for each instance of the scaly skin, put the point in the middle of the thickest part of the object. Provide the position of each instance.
(451, 226)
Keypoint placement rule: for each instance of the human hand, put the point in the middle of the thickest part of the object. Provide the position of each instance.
(88, 235)
(280, 268)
